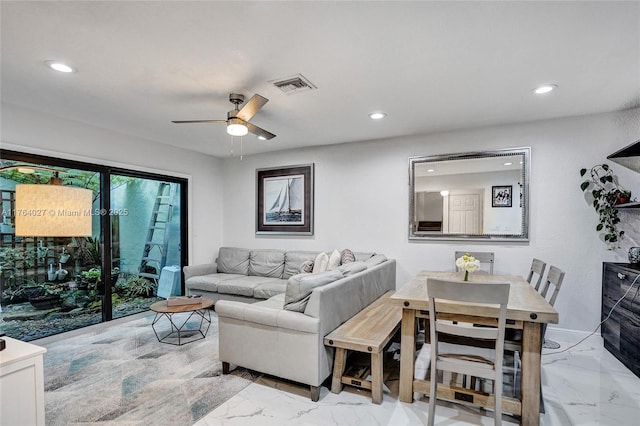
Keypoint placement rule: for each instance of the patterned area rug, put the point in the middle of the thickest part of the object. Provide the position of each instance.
(122, 375)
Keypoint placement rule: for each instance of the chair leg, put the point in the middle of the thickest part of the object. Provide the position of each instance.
(516, 367)
(433, 394)
(497, 392)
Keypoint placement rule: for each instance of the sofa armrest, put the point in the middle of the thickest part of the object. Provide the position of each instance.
(197, 270)
(267, 316)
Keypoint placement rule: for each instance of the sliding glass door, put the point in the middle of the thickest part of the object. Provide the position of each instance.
(146, 235)
(55, 283)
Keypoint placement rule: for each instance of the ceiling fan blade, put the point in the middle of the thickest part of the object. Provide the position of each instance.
(251, 107)
(259, 131)
(198, 121)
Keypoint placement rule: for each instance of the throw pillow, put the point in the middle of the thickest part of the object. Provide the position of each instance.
(347, 256)
(334, 260)
(307, 266)
(299, 288)
(321, 263)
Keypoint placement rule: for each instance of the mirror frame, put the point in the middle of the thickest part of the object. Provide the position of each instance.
(525, 175)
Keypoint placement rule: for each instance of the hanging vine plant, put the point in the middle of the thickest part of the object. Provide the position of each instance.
(607, 194)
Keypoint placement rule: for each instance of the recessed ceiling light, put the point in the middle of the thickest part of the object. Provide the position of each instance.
(430, 170)
(546, 88)
(262, 138)
(377, 115)
(59, 66)
(508, 164)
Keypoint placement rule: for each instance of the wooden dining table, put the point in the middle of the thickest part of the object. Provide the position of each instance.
(526, 310)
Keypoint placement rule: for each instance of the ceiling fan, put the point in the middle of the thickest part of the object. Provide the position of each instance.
(238, 118)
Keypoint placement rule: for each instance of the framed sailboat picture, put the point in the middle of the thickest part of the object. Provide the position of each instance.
(285, 200)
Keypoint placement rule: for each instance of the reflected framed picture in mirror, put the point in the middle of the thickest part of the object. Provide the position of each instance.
(501, 196)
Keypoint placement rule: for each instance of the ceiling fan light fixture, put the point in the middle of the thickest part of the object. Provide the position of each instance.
(236, 127)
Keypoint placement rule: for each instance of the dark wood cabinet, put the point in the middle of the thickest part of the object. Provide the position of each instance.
(621, 332)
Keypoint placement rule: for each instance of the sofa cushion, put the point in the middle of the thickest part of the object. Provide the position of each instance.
(347, 256)
(352, 268)
(360, 255)
(321, 263)
(334, 260)
(209, 282)
(294, 259)
(376, 259)
(243, 285)
(270, 288)
(274, 302)
(266, 263)
(233, 260)
(299, 288)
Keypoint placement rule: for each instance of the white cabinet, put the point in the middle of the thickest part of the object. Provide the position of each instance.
(21, 384)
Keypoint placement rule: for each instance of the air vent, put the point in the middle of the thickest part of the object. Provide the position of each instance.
(295, 84)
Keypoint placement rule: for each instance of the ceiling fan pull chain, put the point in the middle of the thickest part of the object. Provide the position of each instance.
(241, 138)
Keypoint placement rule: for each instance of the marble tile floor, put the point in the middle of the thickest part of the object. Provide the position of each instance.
(585, 385)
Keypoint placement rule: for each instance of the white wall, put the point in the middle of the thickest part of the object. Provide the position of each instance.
(28, 131)
(361, 202)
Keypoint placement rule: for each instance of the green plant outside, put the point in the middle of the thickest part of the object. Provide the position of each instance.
(139, 287)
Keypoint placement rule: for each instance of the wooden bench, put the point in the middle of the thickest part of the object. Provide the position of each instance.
(368, 331)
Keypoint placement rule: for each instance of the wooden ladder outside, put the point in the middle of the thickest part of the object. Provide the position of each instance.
(154, 254)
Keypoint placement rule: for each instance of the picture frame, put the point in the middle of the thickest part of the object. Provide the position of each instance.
(501, 196)
(284, 200)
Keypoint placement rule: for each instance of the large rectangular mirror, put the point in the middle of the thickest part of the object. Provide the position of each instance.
(470, 196)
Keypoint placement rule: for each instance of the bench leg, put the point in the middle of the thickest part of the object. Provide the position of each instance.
(376, 377)
(225, 367)
(339, 363)
(315, 393)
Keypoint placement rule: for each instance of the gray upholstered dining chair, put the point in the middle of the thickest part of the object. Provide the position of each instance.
(486, 259)
(462, 358)
(537, 268)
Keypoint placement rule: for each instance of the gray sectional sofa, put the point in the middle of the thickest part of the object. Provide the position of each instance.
(247, 275)
(283, 335)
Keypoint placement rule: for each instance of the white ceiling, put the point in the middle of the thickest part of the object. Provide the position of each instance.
(431, 66)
